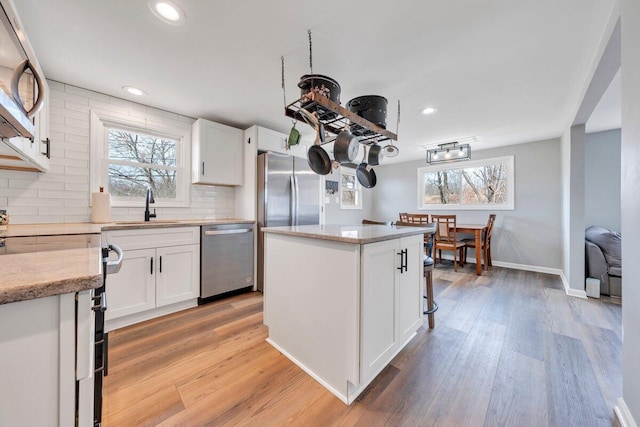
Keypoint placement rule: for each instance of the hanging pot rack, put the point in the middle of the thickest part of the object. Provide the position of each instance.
(335, 123)
(333, 116)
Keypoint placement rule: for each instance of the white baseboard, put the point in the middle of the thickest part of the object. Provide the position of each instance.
(623, 415)
(131, 319)
(527, 267)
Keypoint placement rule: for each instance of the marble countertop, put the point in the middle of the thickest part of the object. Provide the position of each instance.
(358, 234)
(42, 274)
(32, 275)
(25, 230)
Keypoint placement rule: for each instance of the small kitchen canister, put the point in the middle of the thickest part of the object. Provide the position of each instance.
(100, 207)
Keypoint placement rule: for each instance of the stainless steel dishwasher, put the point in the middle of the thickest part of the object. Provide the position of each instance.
(226, 260)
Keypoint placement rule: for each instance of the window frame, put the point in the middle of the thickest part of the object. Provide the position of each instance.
(509, 205)
(101, 121)
(359, 189)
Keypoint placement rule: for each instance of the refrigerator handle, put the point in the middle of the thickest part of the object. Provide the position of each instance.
(297, 197)
(294, 201)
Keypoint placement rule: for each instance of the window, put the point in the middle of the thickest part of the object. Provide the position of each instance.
(480, 184)
(130, 157)
(350, 189)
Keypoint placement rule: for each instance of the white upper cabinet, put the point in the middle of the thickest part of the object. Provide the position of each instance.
(24, 143)
(270, 140)
(217, 154)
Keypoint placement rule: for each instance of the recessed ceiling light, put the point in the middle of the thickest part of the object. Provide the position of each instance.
(429, 110)
(167, 11)
(134, 90)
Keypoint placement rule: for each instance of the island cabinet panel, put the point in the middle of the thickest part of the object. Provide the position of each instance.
(311, 306)
(379, 337)
(410, 285)
(391, 298)
(342, 310)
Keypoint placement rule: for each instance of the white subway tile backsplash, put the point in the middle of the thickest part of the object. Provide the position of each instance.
(54, 85)
(80, 123)
(63, 194)
(83, 100)
(86, 93)
(72, 186)
(74, 106)
(105, 105)
(79, 131)
(35, 201)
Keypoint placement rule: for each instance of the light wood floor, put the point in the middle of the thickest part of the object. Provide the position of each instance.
(509, 349)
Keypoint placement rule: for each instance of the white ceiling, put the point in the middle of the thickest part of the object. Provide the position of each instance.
(503, 71)
(608, 112)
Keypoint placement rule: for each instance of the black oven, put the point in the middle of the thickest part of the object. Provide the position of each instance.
(102, 338)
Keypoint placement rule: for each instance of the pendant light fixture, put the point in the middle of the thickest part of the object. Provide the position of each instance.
(449, 152)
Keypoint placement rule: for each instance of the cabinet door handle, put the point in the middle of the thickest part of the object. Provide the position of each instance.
(161, 264)
(406, 259)
(403, 261)
(202, 168)
(151, 265)
(47, 143)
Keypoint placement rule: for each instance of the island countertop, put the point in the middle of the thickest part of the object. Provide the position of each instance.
(41, 274)
(357, 234)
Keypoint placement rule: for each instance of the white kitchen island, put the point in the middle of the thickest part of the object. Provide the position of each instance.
(342, 301)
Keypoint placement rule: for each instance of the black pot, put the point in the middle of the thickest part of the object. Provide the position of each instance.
(374, 155)
(370, 107)
(345, 148)
(323, 85)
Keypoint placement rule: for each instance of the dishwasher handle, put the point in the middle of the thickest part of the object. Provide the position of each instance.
(234, 231)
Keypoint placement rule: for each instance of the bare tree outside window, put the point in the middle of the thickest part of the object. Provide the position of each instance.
(138, 161)
(483, 183)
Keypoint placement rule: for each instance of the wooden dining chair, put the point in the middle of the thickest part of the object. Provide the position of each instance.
(432, 306)
(419, 219)
(415, 218)
(485, 243)
(447, 239)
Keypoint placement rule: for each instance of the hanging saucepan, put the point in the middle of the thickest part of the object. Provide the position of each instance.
(323, 85)
(370, 107)
(345, 147)
(375, 155)
(390, 150)
(317, 157)
(365, 173)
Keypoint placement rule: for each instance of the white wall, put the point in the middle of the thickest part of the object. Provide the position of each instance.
(631, 204)
(62, 195)
(529, 235)
(335, 215)
(602, 179)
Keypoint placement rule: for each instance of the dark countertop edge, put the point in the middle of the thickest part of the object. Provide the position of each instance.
(48, 289)
(407, 231)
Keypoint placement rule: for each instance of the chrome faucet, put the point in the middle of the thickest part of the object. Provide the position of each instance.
(147, 214)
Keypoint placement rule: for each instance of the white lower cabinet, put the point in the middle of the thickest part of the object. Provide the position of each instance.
(391, 298)
(45, 347)
(160, 273)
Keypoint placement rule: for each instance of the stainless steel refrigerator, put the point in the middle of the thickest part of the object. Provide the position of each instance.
(288, 194)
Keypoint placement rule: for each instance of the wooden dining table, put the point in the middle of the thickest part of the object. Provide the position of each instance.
(476, 230)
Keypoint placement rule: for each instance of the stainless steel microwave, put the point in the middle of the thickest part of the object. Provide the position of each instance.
(22, 91)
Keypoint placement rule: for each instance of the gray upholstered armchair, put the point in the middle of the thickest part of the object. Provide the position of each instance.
(603, 259)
